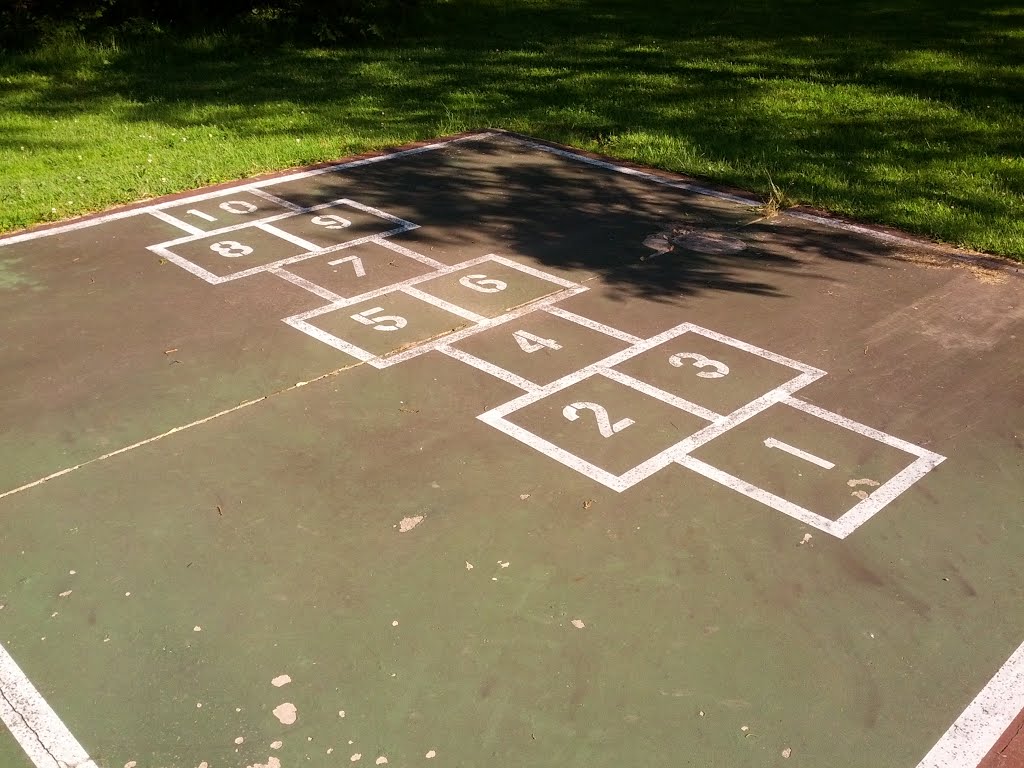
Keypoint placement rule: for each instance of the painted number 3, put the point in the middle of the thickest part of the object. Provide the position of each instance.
(604, 424)
(699, 361)
(231, 249)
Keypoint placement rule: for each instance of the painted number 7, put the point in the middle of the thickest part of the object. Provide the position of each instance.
(378, 321)
(604, 424)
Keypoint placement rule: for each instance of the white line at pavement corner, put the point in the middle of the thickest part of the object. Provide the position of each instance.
(33, 723)
(973, 735)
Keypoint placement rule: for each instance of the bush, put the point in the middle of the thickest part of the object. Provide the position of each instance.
(23, 22)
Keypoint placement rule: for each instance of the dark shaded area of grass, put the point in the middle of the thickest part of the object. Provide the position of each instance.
(903, 112)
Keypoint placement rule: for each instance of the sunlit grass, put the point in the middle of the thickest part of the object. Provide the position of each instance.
(905, 113)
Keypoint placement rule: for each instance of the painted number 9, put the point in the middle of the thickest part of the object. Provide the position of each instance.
(483, 284)
(699, 361)
(231, 249)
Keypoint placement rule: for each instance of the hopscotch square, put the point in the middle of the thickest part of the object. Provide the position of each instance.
(539, 347)
(233, 208)
(813, 465)
(224, 255)
(605, 430)
(714, 372)
(361, 269)
(342, 221)
(493, 287)
(375, 328)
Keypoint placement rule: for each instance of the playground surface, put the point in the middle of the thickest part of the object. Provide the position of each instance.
(488, 452)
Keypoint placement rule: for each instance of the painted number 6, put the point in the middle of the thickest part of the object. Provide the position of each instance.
(483, 284)
(699, 361)
(604, 424)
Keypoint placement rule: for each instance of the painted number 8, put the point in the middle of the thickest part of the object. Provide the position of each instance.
(231, 249)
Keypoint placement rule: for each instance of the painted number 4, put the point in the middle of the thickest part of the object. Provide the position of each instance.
(531, 343)
(378, 321)
(604, 424)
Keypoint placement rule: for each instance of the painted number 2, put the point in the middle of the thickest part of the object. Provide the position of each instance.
(231, 249)
(380, 322)
(483, 284)
(699, 361)
(604, 424)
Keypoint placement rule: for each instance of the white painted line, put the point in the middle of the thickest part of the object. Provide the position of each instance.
(251, 187)
(305, 245)
(447, 306)
(759, 494)
(36, 727)
(740, 199)
(433, 263)
(660, 394)
(176, 222)
(276, 200)
(210, 277)
(453, 338)
(706, 191)
(759, 351)
(532, 271)
(305, 284)
(863, 429)
(182, 428)
(330, 339)
(973, 735)
(486, 367)
(586, 322)
(863, 511)
(771, 442)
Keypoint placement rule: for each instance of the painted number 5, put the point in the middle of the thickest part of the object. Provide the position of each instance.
(380, 322)
(699, 361)
(483, 284)
(604, 424)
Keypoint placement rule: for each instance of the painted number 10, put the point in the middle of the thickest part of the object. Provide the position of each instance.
(604, 423)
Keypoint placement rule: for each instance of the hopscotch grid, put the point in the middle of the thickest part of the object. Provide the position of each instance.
(408, 252)
(993, 697)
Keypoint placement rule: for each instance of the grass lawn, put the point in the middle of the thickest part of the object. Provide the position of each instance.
(903, 112)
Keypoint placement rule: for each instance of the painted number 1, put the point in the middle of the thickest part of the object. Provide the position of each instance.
(604, 424)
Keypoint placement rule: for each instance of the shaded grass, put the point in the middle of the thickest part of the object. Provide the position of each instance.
(903, 112)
